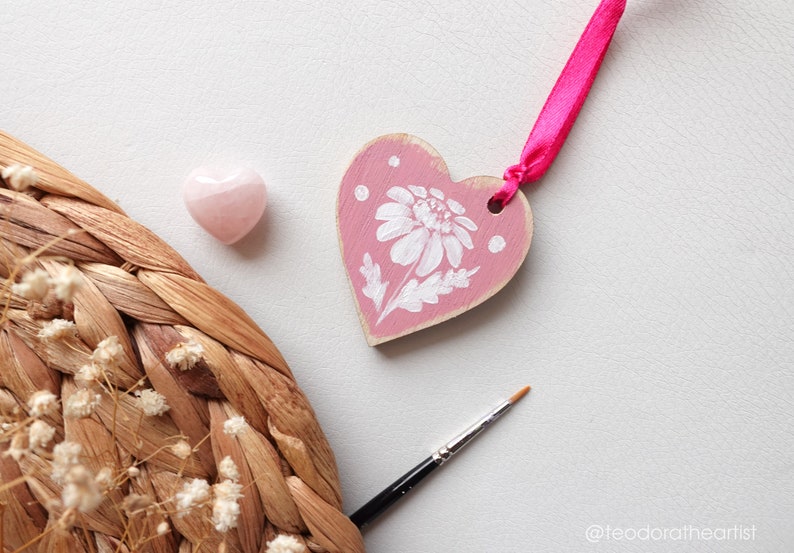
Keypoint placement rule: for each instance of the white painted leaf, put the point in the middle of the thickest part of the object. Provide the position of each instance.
(414, 295)
(374, 288)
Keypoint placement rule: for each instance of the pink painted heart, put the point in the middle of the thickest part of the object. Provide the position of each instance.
(419, 248)
(227, 204)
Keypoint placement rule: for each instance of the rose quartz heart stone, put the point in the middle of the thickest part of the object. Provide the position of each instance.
(226, 203)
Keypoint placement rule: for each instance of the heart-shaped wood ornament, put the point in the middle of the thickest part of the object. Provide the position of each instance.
(419, 248)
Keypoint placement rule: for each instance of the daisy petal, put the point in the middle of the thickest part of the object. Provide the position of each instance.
(437, 193)
(392, 210)
(419, 191)
(408, 248)
(432, 256)
(456, 207)
(463, 236)
(394, 228)
(454, 250)
(466, 222)
(400, 194)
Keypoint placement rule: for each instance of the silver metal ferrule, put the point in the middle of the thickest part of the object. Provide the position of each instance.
(456, 444)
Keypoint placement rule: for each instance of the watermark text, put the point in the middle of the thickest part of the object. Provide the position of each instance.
(597, 533)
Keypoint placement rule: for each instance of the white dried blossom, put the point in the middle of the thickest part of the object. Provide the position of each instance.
(107, 353)
(66, 283)
(39, 434)
(88, 374)
(65, 455)
(136, 502)
(193, 493)
(225, 509)
(163, 528)
(132, 472)
(34, 285)
(81, 490)
(81, 404)
(20, 177)
(228, 470)
(57, 329)
(285, 544)
(182, 449)
(234, 426)
(42, 402)
(185, 355)
(18, 447)
(151, 402)
(104, 479)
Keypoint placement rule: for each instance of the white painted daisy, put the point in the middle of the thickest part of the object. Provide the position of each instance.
(427, 224)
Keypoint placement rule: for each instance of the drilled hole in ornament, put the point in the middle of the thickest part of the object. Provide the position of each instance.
(495, 206)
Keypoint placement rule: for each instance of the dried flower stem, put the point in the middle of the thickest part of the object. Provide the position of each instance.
(17, 267)
(35, 540)
(2, 527)
(8, 485)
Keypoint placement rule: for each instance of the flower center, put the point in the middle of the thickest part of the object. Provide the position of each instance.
(433, 215)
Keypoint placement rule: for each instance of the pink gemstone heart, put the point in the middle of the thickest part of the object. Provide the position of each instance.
(418, 248)
(227, 204)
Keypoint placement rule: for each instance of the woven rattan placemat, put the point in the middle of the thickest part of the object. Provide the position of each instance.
(151, 370)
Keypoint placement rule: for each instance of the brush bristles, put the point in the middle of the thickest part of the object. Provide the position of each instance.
(519, 394)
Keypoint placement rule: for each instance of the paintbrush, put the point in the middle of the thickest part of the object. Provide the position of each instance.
(385, 499)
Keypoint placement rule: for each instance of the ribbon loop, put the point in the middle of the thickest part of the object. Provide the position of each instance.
(563, 104)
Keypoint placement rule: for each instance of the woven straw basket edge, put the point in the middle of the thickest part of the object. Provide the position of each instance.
(138, 288)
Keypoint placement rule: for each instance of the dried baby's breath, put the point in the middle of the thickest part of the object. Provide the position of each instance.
(42, 402)
(193, 493)
(228, 469)
(185, 355)
(182, 449)
(66, 283)
(20, 177)
(234, 425)
(285, 544)
(18, 447)
(151, 402)
(57, 329)
(104, 478)
(107, 353)
(40, 434)
(135, 502)
(65, 455)
(81, 490)
(81, 404)
(88, 374)
(225, 506)
(163, 528)
(34, 285)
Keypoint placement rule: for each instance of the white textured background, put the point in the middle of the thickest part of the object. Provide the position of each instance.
(653, 316)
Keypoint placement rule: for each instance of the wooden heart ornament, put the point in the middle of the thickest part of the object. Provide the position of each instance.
(419, 248)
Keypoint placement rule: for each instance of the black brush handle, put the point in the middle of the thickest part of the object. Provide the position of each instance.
(395, 491)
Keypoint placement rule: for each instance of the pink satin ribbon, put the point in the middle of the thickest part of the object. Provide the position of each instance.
(563, 104)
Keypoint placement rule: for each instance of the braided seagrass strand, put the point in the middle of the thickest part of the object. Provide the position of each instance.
(137, 288)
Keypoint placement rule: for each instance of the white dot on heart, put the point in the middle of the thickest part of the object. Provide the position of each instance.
(394, 161)
(361, 192)
(496, 244)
